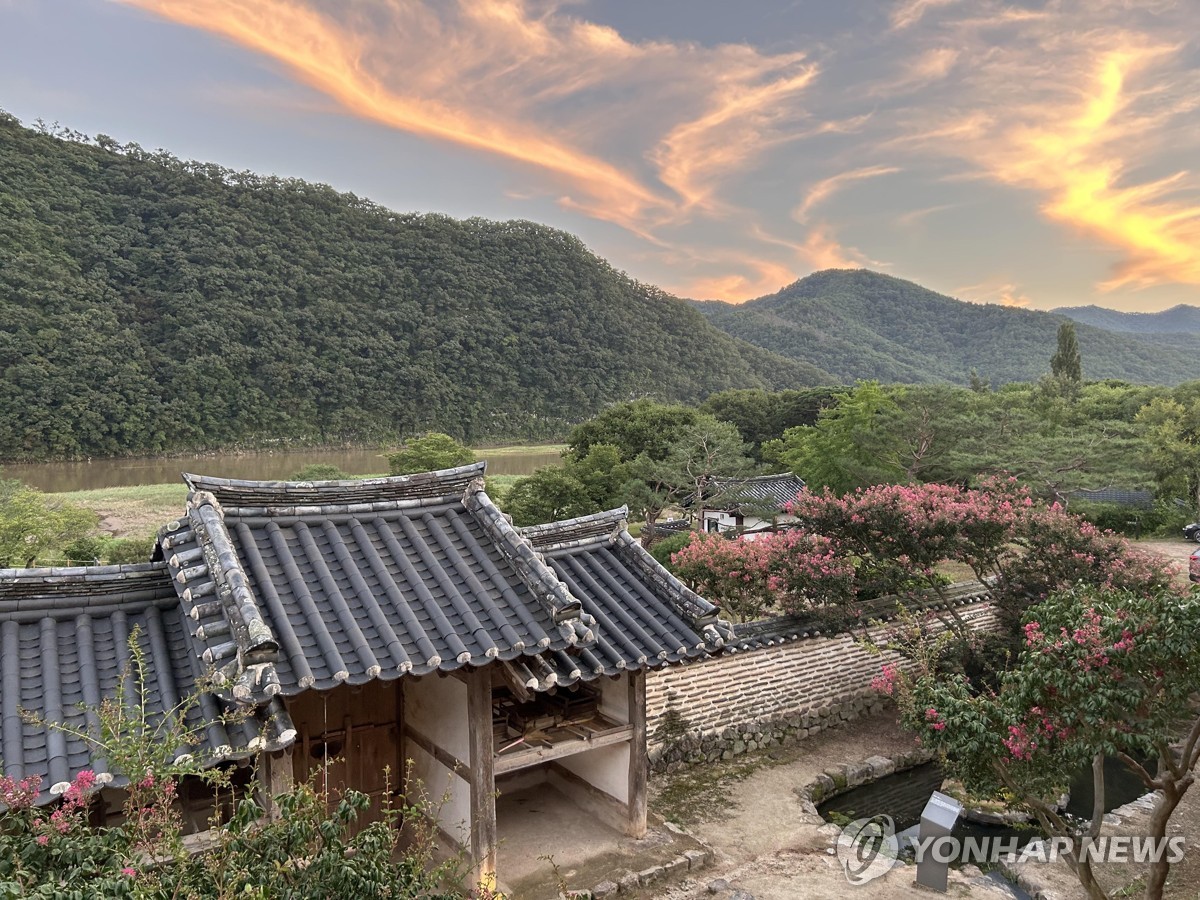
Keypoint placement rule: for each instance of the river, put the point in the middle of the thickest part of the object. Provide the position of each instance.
(58, 477)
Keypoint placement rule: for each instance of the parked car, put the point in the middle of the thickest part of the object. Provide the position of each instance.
(1191, 532)
(1194, 566)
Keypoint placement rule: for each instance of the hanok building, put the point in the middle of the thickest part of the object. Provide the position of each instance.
(375, 630)
(750, 506)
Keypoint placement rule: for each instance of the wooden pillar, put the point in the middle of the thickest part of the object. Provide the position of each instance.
(482, 775)
(275, 776)
(639, 762)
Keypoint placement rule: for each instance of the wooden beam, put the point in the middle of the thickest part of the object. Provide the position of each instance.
(482, 777)
(451, 762)
(517, 682)
(275, 776)
(523, 759)
(639, 762)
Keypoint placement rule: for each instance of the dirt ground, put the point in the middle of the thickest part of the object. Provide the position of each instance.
(748, 812)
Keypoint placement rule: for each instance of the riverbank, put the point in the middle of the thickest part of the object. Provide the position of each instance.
(77, 476)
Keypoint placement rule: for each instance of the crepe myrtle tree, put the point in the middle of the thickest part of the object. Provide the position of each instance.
(790, 570)
(1021, 551)
(1101, 673)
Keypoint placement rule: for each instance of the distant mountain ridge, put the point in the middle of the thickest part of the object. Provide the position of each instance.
(149, 304)
(857, 324)
(1181, 319)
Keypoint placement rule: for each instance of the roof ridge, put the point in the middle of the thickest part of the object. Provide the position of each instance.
(58, 591)
(694, 609)
(777, 476)
(447, 483)
(595, 527)
(566, 609)
(252, 670)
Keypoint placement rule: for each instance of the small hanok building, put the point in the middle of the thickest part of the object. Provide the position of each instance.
(750, 506)
(393, 634)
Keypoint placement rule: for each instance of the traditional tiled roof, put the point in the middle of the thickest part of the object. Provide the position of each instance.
(1118, 496)
(347, 585)
(786, 628)
(267, 589)
(645, 617)
(667, 527)
(64, 648)
(762, 493)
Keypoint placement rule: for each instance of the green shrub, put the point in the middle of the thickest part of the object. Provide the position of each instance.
(662, 550)
(1130, 520)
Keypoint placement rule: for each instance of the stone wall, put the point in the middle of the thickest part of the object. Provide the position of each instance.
(775, 690)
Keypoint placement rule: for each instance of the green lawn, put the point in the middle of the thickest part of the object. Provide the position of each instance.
(135, 511)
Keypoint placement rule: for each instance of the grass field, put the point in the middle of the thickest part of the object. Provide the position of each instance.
(519, 448)
(137, 511)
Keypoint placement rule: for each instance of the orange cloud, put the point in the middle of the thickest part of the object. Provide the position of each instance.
(1081, 155)
(737, 127)
(909, 12)
(331, 59)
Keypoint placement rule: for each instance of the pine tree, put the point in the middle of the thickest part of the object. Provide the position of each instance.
(1066, 364)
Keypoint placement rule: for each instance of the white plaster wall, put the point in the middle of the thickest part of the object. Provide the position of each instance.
(436, 708)
(448, 795)
(614, 697)
(725, 522)
(606, 768)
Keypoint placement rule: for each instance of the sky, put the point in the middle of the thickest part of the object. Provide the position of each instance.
(1035, 154)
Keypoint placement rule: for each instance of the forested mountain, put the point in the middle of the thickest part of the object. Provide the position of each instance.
(860, 324)
(150, 304)
(1180, 319)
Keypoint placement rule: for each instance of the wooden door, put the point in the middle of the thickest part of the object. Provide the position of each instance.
(349, 738)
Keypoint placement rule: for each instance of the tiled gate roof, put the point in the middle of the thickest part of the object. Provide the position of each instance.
(645, 617)
(348, 585)
(268, 589)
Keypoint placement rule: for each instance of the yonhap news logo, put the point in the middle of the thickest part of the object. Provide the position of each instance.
(1116, 848)
(868, 849)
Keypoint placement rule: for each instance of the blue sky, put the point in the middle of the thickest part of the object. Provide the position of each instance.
(1038, 154)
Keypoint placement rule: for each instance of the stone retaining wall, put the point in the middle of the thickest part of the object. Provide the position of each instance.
(780, 691)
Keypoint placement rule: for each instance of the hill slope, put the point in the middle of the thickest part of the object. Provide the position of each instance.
(149, 304)
(860, 324)
(1180, 319)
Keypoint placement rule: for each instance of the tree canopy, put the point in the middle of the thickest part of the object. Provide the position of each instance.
(151, 304)
(859, 324)
(429, 452)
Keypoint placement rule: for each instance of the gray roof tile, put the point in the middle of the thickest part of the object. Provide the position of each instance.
(64, 646)
(762, 492)
(268, 589)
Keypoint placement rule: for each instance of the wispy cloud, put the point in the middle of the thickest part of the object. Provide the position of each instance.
(1085, 119)
(530, 82)
(827, 187)
(907, 13)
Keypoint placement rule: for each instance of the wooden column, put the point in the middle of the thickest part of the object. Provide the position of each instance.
(482, 776)
(639, 762)
(275, 776)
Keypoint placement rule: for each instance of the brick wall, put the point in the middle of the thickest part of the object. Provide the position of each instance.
(752, 698)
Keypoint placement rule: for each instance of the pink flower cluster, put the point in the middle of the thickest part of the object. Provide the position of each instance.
(934, 718)
(886, 681)
(17, 795)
